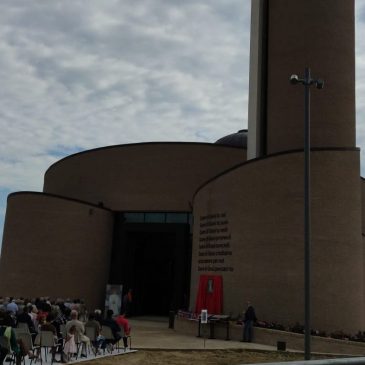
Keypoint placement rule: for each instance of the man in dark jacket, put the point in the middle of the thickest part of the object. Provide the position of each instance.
(110, 322)
(24, 317)
(249, 320)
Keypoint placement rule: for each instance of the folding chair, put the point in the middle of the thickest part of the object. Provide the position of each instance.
(91, 333)
(108, 334)
(129, 337)
(26, 338)
(80, 342)
(18, 330)
(23, 326)
(5, 346)
(46, 340)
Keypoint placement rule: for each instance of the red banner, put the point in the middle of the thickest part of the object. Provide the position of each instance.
(210, 294)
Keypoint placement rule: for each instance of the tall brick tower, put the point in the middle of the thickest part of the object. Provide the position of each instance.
(287, 36)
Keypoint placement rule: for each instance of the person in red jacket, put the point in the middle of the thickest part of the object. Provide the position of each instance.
(124, 324)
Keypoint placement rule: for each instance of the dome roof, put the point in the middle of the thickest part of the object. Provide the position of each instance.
(238, 139)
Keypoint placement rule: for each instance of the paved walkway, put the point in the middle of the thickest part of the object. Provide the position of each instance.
(153, 333)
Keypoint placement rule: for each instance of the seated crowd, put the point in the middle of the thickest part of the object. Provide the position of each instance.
(67, 320)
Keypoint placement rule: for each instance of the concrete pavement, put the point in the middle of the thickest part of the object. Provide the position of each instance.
(153, 333)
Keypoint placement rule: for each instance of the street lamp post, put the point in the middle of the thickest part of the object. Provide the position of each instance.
(307, 81)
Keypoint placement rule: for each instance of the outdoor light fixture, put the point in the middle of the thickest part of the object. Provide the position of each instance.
(294, 80)
(307, 81)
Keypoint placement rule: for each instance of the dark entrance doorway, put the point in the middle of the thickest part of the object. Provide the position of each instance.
(153, 272)
(152, 259)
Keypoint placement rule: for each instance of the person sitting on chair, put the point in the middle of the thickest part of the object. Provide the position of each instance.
(46, 325)
(110, 322)
(124, 324)
(80, 331)
(100, 342)
(8, 339)
(24, 317)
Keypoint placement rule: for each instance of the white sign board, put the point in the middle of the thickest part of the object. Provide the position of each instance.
(204, 316)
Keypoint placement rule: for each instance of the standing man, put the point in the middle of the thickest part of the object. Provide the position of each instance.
(127, 303)
(248, 320)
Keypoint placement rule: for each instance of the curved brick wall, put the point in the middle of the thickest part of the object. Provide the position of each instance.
(259, 209)
(146, 176)
(55, 247)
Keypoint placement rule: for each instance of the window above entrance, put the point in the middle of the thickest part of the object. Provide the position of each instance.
(157, 217)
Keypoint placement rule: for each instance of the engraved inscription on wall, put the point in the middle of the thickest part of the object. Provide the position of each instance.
(214, 243)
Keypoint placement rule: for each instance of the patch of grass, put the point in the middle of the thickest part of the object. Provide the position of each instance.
(201, 357)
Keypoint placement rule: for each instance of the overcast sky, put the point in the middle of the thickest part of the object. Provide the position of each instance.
(81, 74)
